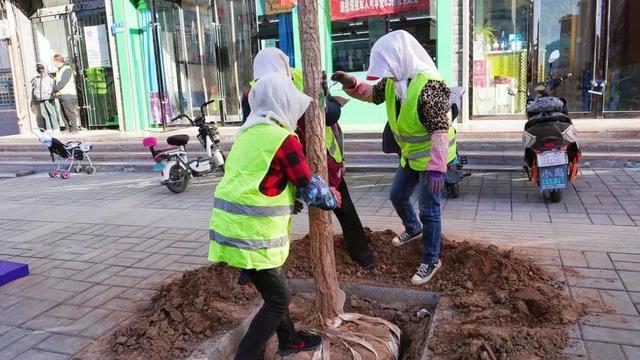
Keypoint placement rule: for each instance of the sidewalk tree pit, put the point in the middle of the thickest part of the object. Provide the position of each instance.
(504, 305)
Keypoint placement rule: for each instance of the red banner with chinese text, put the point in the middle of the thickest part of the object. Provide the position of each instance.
(349, 9)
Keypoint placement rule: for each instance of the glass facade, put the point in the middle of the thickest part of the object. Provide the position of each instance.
(352, 39)
(568, 27)
(500, 60)
(207, 50)
(623, 61)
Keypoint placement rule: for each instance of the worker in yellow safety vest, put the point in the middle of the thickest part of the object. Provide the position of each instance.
(273, 60)
(266, 172)
(417, 102)
(65, 90)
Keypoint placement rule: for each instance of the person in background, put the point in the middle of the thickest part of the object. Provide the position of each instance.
(417, 102)
(65, 91)
(273, 60)
(265, 172)
(42, 92)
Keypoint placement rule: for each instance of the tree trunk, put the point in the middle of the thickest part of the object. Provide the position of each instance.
(322, 255)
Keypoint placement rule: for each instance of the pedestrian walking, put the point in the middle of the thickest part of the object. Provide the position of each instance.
(42, 92)
(65, 91)
(417, 102)
(273, 60)
(265, 172)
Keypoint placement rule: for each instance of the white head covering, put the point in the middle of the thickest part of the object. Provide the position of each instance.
(400, 56)
(275, 100)
(270, 60)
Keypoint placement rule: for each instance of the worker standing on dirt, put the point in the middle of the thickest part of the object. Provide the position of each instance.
(417, 102)
(273, 60)
(265, 172)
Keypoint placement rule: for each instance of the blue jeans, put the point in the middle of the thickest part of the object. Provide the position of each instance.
(404, 184)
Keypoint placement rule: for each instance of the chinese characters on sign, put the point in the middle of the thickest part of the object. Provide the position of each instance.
(349, 9)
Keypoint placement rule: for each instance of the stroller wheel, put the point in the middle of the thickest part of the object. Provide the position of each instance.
(78, 169)
(54, 173)
(65, 174)
(90, 169)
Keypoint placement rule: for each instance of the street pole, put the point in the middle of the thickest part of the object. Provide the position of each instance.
(322, 255)
(155, 27)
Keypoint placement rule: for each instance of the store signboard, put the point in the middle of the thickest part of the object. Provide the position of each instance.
(349, 9)
(97, 44)
(278, 6)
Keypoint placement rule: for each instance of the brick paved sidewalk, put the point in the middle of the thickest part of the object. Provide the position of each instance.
(96, 246)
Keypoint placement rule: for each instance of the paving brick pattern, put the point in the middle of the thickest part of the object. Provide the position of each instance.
(97, 245)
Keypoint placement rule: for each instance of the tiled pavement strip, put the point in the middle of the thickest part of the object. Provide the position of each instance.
(96, 245)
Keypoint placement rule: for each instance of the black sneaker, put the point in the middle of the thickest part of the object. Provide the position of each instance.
(306, 340)
(425, 272)
(367, 262)
(404, 238)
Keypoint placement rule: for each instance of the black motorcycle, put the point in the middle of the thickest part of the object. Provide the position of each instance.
(551, 154)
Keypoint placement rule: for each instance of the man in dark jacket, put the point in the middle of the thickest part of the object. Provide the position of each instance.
(65, 91)
(42, 92)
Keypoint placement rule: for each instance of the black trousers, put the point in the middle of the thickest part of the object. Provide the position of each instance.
(352, 229)
(68, 106)
(272, 316)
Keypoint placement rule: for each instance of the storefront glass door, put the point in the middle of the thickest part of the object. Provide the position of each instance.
(82, 39)
(621, 97)
(500, 56)
(96, 71)
(569, 27)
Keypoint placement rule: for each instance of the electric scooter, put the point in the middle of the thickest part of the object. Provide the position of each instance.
(174, 164)
(551, 151)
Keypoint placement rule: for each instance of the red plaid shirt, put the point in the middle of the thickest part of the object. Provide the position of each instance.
(289, 164)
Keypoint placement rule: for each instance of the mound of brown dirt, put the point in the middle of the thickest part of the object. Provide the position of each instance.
(503, 302)
(183, 313)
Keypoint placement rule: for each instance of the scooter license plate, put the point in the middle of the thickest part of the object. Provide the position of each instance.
(552, 158)
(158, 167)
(553, 177)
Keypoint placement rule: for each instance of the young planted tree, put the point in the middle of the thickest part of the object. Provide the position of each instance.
(366, 335)
(324, 264)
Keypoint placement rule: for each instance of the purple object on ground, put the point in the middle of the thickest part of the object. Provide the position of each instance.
(10, 271)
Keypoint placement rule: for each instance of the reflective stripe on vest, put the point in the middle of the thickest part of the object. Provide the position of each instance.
(70, 87)
(251, 210)
(254, 244)
(248, 229)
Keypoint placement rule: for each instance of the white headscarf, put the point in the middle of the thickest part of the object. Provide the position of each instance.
(400, 56)
(270, 60)
(275, 100)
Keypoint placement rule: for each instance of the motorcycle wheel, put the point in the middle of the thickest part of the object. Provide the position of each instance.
(556, 196)
(179, 178)
(454, 190)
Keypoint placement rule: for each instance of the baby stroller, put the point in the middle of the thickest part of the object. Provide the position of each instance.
(66, 155)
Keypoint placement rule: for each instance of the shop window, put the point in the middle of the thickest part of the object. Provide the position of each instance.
(6, 89)
(352, 39)
(499, 56)
(623, 65)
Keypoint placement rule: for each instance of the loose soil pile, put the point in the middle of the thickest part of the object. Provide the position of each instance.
(503, 306)
(184, 312)
(506, 306)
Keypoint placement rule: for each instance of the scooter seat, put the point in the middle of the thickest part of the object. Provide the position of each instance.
(178, 140)
(546, 118)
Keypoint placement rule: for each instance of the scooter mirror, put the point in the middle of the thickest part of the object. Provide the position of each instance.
(513, 91)
(555, 55)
